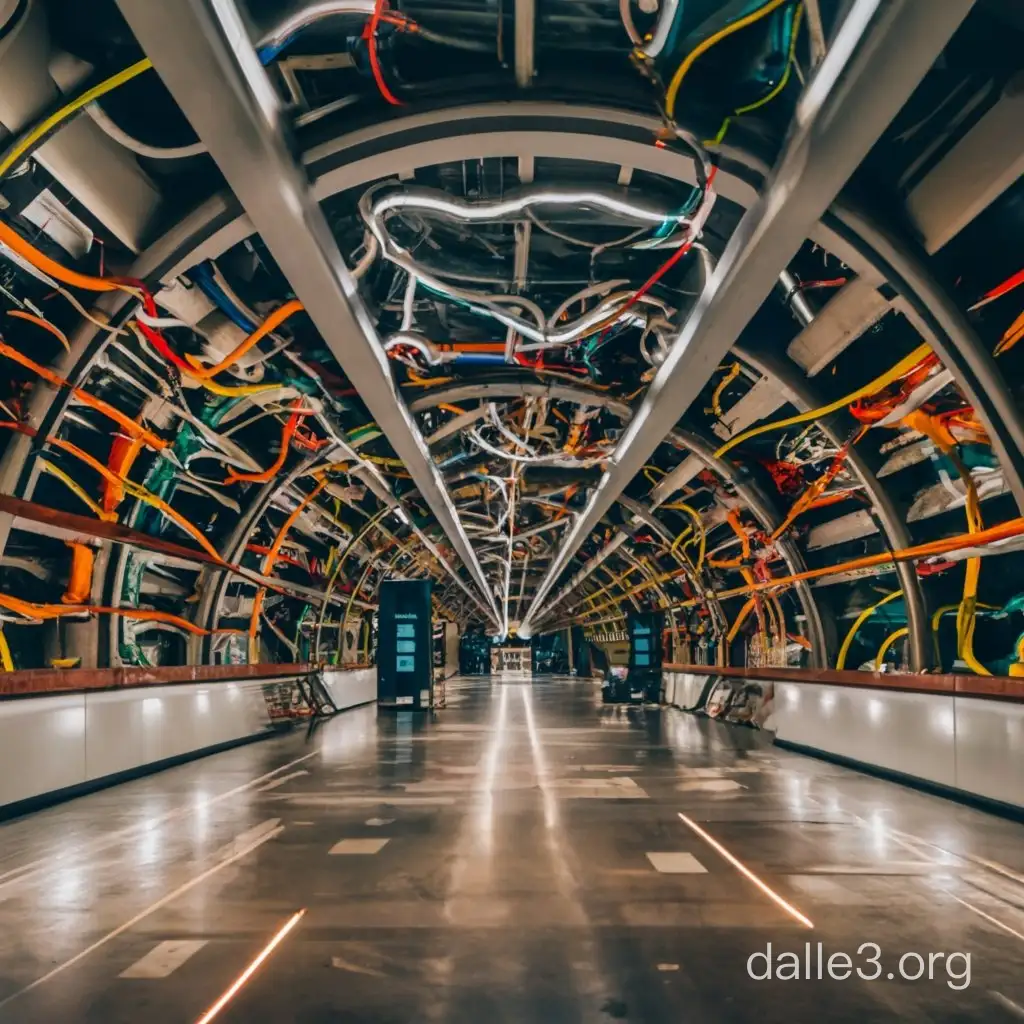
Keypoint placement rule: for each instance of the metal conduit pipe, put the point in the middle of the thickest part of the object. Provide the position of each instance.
(803, 394)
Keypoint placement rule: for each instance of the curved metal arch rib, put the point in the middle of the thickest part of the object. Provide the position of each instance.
(604, 133)
(754, 498)
(803, 396)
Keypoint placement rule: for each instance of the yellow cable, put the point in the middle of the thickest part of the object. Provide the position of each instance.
(716, 397)
(211, 386)
(945, 610)
(858, 622)
(966, 616)
(703, 47)
(76, 489)
(901, 369)
(6, 661)
(699, 529)
(886, 644)
(32, 136)
(768, 97)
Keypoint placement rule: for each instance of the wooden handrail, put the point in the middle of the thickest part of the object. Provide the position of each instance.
(43, 681)
(1005, 688)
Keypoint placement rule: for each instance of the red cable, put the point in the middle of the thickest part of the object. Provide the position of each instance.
(649, 284)
(1000, 290)
(661, 271)
(155, 338)
(832, 282)
(370, 34)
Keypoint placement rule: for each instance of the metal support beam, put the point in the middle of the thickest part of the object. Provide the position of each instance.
(986, 162)
(879, 56)
(804, 397)
(203, 53)
(526, 28)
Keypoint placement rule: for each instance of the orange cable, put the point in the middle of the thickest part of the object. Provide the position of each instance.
(125, 422)
(272, 322)
(286, 438)
(45, 324)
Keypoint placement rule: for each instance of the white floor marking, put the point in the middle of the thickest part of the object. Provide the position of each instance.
(41, 866)
(141, 916)
(981, 913)
(344, 965)
(274, 783)
(358, 847)
(163, 960)
(709, 786)
(245, 839)
(890, 867)
(330, 800)
(677, 864)
(1008, 1004)
(992, 865)
(375, 822)
(746, 872)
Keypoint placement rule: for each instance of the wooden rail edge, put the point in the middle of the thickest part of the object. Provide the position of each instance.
(1004, 688)
(39, 682)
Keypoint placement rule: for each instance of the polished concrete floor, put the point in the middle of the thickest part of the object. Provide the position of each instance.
(519, 856)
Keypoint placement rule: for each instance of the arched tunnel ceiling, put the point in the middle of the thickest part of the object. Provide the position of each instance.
(520, 330)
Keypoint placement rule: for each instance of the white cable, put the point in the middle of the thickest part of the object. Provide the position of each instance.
(407, 303)
(536, 460)
(416, 341)
(662, 29)
(159, 322)
(120, 136)
(603, 288)
(627, 22)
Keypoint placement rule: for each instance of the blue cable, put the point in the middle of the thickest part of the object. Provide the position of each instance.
(202, 275)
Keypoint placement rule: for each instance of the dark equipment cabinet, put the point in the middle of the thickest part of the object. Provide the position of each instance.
(405, 654)
(645, 649)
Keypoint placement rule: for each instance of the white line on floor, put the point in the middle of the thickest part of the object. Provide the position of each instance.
(381, 800)
(746, 872)
(992, 865)
(245, 839)
(358, 846)
(274, 783)
(677, 864)
(164, 959)
(892, 867)
(141, 916)
(980, 913)
(1008, 1004)
(42, 865)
